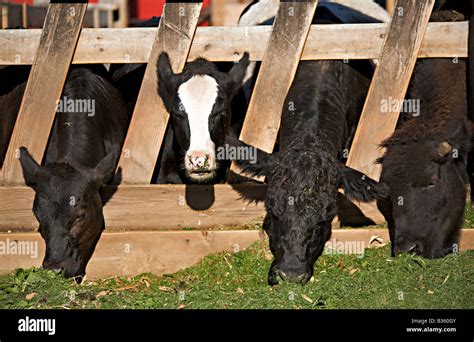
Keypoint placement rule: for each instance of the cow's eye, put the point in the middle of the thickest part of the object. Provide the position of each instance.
(80, 218)
(433, 182)
(219, 115)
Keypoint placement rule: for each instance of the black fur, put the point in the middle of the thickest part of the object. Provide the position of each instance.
(425, 163)
(81, 156)
(319, 117)
(12, 87)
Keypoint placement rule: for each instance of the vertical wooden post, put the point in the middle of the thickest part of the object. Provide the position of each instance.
(390, 6)
(123, 14)
(24, 15)
(390, 83)
(4, 15)
(150, 118)
(217, 12)
(48, 73)
(110, 18)
(279, 64)
(96, 17)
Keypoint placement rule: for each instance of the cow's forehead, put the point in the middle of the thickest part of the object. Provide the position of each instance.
(199, 93)
(61, 189)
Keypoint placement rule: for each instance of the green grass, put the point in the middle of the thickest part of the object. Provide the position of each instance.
(468, 216)
(239, 281)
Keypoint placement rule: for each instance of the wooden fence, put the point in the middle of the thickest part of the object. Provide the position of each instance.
(139, 205)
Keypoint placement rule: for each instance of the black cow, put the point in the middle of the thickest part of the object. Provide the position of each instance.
(425, 163)
(320, 113)
(319, 118)
(81, 156)
(426, 158)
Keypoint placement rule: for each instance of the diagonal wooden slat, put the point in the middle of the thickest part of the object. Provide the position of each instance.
(147, 128)
(277, 71)
(279, 64)
(49, 70)
(389, 83)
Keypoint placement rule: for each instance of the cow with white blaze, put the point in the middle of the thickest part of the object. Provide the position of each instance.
(199, 103)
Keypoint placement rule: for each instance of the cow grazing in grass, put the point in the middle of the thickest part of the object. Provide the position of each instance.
(199, 102)
(320, 114)
(319, 118)
(425, 160)
(81, 156)
(425, 163)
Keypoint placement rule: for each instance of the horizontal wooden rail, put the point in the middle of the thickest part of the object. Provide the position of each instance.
(142, 207)
(132, 253)
(161, 207)
(133, 45)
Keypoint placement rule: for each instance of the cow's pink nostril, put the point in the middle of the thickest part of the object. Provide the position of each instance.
(199, 161)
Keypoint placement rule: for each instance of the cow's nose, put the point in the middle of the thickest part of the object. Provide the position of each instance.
(414, 248)
(293, 277)
(199, 160)
(52, 265)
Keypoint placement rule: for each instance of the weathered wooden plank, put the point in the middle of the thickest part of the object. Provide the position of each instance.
(132, 253)
(133, 45)
(217, 12)
(141, 207)
(135, 207)
(147, 128)
(282, 55)
(390, 82)
(48, 74)
(390, 6)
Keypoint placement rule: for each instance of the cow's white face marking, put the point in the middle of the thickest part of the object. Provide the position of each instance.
(198, 96)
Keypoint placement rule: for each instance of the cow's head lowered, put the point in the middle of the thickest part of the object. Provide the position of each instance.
(427, 179)
(301, 203)
(68, 208)
(198, 100)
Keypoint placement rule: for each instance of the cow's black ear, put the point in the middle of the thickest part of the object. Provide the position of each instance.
(258, 161)
(167, 79)
(360, 187)
(105, 170)
(31, 169)
(237, 73)
(164, 69)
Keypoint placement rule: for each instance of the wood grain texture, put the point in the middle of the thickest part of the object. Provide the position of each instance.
(390, 6)
(132, 253)
(389, 83)
(45, 84)
(217, 12)
(143, 207)
(278, 68)
(150, 118)
(133, 45)
(136, 207)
